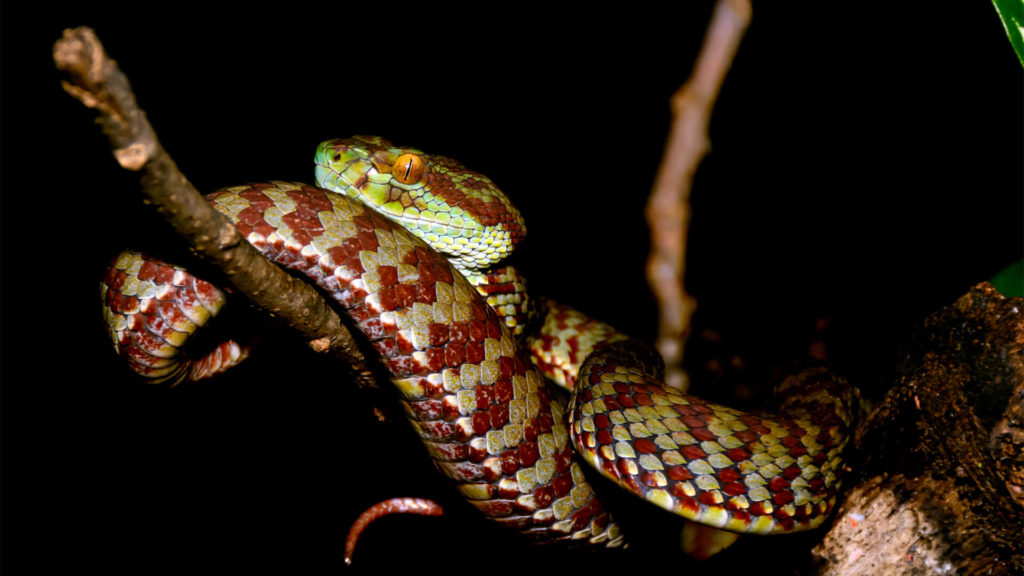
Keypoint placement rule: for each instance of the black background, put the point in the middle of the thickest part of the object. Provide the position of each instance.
(866, 167)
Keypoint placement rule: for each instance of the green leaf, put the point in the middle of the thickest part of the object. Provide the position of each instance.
(1012, 14)
(1010, 282)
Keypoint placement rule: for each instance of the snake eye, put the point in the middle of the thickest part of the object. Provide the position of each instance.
(408, 169)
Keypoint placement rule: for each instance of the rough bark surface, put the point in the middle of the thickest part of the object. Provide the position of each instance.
(940, 488)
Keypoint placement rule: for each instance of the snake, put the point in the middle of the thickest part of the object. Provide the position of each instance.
(410, 246)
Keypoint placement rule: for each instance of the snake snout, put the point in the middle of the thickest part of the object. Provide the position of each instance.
(341, 163)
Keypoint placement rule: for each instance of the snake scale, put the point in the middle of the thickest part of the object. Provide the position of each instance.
(475, 379)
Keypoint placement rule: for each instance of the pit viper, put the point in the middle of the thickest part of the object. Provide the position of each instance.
(474, 357)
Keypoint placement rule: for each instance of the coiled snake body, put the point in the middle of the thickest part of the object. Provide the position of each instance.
(476, 396)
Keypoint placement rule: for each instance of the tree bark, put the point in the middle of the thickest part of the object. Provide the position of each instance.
(942, 456)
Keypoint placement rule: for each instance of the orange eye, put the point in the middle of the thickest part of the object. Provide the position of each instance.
(408, 169)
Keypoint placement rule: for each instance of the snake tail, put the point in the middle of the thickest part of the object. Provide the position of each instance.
(417, 506)
(151, 309)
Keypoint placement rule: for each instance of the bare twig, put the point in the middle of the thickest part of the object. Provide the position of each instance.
(668, 210)
(95, 80)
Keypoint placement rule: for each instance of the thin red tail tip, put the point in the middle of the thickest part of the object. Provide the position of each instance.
(418, 506)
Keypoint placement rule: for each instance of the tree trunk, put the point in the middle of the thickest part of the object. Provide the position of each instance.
(941, 456)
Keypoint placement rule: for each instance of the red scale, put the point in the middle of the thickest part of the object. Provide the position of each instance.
(651, 479)
(503, 389)
(734, 489)
(498, 415)
(256, 198)
(388, 275)
(474, 350)
(484, 396)
(531, 430)
(692, 452)
(709, 499)
(645, 446)
(476, 333)
(687, 504)
(481, 423)
(758, 509)
(527, 453)
(405, 295)
(680, 473)
(435, 359)
(509, 461)
(544, 496)
(791, 472)
(506, 367)
(387, 298)
(738, 454)
(703, 434)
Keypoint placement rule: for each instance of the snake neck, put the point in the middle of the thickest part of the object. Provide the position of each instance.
(504, 289)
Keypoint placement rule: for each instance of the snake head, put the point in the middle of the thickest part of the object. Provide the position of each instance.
(460, 213)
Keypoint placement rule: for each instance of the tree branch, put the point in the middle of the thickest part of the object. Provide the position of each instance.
(95, 80)
(668, 210)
